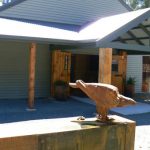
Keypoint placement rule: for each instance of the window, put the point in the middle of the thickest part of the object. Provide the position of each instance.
(115, 66)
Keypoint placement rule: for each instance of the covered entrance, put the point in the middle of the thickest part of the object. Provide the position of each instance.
(99, 35)
(86, 67)
(71, 67)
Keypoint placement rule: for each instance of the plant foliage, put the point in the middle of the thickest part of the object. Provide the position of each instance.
(60, 83)
(131, 81)
(138, 4)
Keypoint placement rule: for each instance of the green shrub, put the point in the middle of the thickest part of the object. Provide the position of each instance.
(131, 81)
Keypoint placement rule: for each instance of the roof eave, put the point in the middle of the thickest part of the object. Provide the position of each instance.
(38, 40)
(112, 36)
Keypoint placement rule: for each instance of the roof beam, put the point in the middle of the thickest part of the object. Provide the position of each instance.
(134, 38)
(130, 47)
(140, 38)
(138, 27)
(121, 40)
(145, 29)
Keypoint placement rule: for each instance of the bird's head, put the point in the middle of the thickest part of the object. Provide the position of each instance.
(125, 101)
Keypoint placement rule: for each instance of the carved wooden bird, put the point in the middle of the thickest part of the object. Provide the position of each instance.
(106, 96)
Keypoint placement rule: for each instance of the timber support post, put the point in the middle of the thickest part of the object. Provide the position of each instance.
(32, 76)
(105, 65)
(123, 66)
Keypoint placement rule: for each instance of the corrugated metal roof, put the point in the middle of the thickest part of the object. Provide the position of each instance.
(115, 26)
(69, 27)
(141, 34)
(105, 26)
(76, 12)
(100, 32)
(22, 30)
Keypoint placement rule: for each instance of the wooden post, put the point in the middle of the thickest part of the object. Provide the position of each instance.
(123, 64)
(105, 63)
(122, 68)
(32, 75)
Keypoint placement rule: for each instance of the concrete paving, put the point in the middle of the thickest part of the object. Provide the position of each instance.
(17, 110)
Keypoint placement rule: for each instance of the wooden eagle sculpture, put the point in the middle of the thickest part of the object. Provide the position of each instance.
(106, 96)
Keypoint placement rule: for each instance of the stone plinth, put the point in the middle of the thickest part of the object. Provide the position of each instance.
(68, 134)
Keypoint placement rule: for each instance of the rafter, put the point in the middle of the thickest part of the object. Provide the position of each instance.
(139, 38)
(133, 47)
(134, 38)
(121, 39)
(145, 29)
(138, 27)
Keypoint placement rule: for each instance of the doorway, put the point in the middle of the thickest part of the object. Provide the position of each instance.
(146, 74)
(119, 63)
(84, 67)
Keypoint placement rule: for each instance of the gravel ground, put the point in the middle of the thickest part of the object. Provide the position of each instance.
(142, 138)
(142, 135)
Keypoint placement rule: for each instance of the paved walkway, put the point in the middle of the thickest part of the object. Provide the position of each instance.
(16, 110)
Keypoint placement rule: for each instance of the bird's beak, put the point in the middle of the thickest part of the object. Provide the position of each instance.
(80, 84)
(73, 85)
